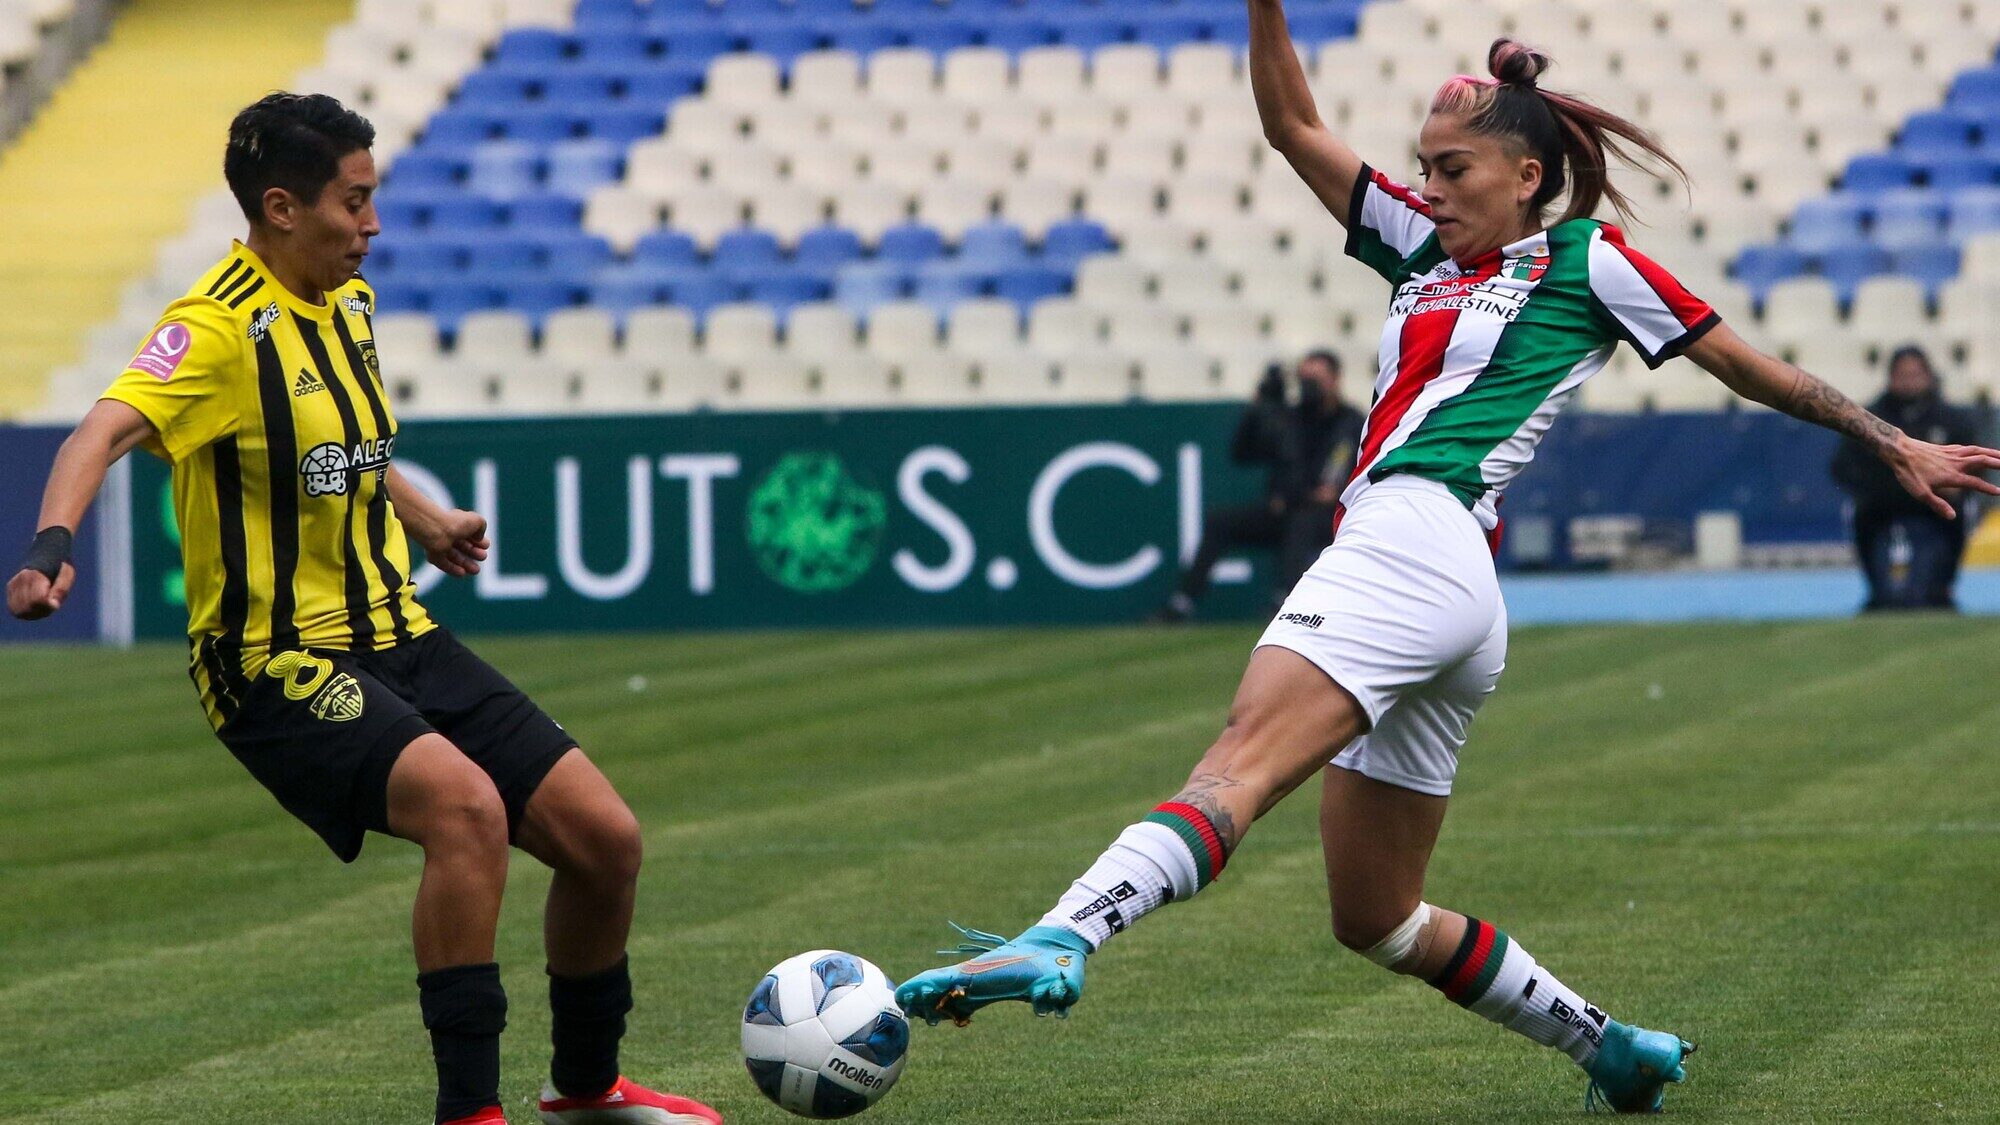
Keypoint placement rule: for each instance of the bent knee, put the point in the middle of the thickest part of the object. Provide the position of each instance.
(468, 815)
(1361, 933)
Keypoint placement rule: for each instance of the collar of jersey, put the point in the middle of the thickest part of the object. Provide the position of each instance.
(1489, 262)
(285, 297)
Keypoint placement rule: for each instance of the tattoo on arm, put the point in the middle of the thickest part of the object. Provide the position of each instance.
(1813, 400)
(1202, 791)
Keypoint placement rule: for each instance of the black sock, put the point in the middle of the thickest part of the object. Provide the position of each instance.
(465, 1010)
(589, 1020)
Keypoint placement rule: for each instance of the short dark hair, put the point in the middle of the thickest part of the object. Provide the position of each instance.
(290, 141)
(1912, 351)
(1324, 356)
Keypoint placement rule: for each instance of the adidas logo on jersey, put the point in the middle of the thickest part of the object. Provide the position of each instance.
(306, 383)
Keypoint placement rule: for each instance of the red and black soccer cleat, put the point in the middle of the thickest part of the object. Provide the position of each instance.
(491, 1115)
(625, 1103)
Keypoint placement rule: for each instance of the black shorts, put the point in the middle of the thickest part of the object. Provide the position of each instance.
(321, 730)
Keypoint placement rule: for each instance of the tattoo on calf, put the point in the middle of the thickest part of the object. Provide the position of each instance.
(1201, 792)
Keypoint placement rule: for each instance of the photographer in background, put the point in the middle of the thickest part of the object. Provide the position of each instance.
(1309, 446)
(1909, 553)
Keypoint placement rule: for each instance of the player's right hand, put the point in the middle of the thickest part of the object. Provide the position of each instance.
(31, 596)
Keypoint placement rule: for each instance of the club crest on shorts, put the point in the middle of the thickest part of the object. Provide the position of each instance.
(339, 701)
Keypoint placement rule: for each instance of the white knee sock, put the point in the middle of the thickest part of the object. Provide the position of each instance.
(1151, 864)
(1492, 975)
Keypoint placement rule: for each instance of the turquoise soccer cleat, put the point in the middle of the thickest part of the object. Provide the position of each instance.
(1633, 1067)
(1044, 967)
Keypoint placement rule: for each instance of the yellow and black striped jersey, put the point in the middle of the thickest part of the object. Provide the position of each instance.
(272, 412)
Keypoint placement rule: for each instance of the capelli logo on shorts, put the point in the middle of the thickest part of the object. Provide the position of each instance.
(1308, 620)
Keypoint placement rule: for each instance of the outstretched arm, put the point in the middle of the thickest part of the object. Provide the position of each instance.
(1926, 471)
(454, 540)
(1291, 121)
(110, 431)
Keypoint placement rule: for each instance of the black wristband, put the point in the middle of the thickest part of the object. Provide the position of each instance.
(48, 552)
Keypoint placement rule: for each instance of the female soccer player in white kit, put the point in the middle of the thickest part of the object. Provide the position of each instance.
(1390, 643)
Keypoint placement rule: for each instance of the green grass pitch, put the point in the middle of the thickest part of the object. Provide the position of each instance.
(1782, 841)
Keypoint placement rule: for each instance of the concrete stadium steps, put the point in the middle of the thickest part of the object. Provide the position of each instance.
(113, 163)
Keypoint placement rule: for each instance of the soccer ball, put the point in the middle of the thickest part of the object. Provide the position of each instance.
(822, 1035)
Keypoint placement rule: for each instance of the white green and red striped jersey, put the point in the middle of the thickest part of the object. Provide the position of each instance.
(1477, 358)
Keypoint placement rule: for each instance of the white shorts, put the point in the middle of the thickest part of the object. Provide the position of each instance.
(1403, 611)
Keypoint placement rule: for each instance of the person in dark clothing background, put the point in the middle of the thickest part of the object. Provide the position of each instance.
(1909, 553)
(1309, 447)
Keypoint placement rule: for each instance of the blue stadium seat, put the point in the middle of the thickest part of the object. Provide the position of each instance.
(576, 168)
(452, 302)
(1169, 27)
(665, 82)
(1073, 240)
(1232, 28)
(465, 214)
(909, 244)
(539, 125)
(578, 85)
(825, 249)
(537, 297)
(418, 256)
(1875, 172)
(1911, 217)
(494, 87)
(538, 46)
(624, 122)
(1316, 24)
(700, 292)
(1935, 129)
(862, 36)
(666, 248)
(575, 254)
(783, 37)
(1760, 267)
(619, 292)
(1933, 265)
(1018, 31)
(423, 170)
(860, 286)
(1087, 30)
(1820, 224)
(941, 33)
(608, 11)
(615, 47)
(1972, 211)
(1968, 168)
(1977, 91)
(505, 170)
(784, 289)
(460, 126)
(1026, 284)
(993, 245)
(942, 284)
(1847, 266)
(502, 255)
(748, 248)
(694, 38)
(396, 296)
(539, 213)
(399, 214)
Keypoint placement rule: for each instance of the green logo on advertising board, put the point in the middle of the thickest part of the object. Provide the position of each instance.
(812, 527)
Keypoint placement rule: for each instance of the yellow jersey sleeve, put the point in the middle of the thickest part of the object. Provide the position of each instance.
(185, 377)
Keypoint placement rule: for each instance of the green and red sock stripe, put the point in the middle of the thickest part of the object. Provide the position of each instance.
(1470, 972)
(1201, 838)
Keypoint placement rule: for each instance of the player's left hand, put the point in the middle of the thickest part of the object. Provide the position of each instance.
(1928, 471)
(458, 544)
